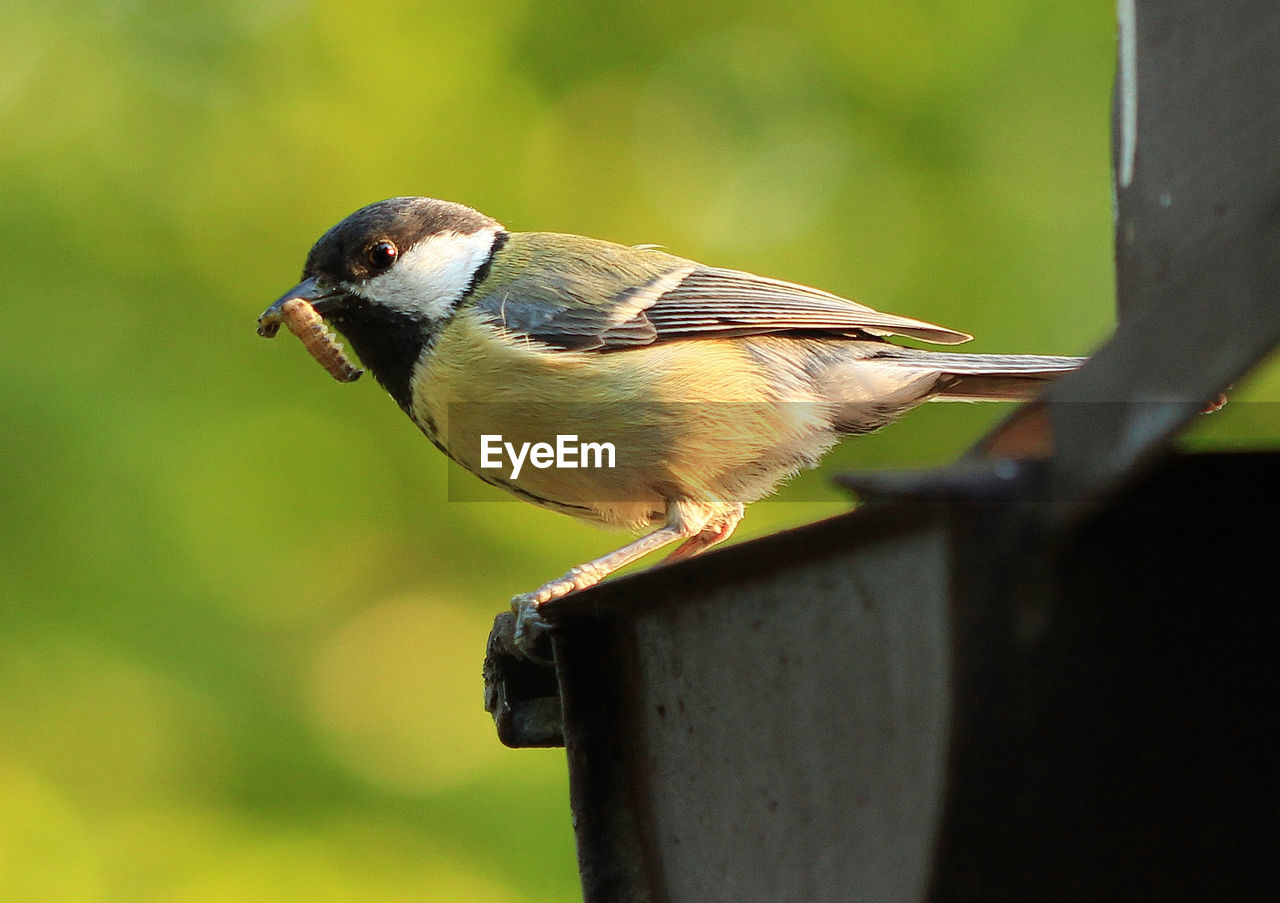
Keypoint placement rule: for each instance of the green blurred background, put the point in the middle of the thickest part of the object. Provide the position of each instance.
(241, 624)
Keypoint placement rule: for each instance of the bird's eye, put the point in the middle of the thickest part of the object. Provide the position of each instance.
(382, 255)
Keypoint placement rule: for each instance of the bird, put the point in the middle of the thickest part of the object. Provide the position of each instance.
(708, 386)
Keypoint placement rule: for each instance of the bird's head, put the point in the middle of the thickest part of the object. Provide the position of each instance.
(389, 274)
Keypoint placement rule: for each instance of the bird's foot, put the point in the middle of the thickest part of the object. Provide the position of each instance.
(531, 626)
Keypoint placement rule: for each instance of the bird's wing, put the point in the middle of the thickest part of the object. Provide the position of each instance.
(713, 301)
(589, 295)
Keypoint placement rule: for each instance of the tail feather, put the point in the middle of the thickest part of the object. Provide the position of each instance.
(986, 377)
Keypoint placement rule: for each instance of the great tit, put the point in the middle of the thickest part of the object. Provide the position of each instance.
(710, 385)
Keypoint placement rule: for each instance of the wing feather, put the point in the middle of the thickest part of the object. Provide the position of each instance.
(603, 296)
(711, 298)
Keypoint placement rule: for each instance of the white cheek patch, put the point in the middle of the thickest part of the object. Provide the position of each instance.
(430, 278)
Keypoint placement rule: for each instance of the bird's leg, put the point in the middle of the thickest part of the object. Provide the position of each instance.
(592, 572)
(529, 620)
(685, 521)
(714, 534)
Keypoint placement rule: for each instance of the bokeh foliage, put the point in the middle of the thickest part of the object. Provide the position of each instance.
(241, 624)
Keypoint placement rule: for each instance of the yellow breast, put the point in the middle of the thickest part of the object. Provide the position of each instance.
(693, 419)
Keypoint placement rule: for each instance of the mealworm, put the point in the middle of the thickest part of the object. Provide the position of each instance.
(316, 337)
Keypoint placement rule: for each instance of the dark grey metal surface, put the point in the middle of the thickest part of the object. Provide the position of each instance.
(731, 701)
(1114, 720)
(925, 701)
(521, 693)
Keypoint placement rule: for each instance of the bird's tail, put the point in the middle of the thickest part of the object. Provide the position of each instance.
(984, 377)
(873, 384)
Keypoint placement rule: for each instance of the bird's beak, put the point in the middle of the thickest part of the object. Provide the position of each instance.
(321, 297)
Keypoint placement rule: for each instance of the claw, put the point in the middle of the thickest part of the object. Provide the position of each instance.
(530, 627)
